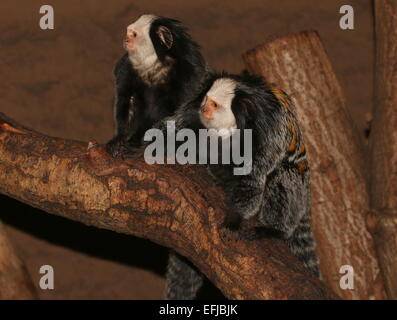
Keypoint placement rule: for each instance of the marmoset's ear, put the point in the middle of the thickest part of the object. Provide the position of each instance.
(165, 36)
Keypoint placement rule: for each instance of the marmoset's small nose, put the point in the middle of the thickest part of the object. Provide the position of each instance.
(131, 34)
(208, 108)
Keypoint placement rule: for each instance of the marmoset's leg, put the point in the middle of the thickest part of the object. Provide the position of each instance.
(183, 280)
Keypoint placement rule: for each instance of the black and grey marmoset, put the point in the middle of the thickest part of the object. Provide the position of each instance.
(161, 70)
(277, 190)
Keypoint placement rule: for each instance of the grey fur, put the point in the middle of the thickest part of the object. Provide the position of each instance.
(182, 279)
(277, 191)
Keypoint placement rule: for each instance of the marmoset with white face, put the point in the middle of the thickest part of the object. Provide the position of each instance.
(161, 70)
(276, 191)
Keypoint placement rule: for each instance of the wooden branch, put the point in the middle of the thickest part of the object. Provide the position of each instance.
(383, 143)
(15, 282)
(176, 206)
(299, 65)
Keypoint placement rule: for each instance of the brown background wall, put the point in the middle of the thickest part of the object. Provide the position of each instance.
(59, 82)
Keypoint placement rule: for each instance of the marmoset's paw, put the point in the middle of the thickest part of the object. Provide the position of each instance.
(117, 147)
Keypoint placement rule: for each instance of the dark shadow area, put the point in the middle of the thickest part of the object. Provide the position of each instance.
(90, 240)
(209, 291)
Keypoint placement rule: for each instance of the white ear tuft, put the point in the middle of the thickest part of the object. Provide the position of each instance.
(165, 36)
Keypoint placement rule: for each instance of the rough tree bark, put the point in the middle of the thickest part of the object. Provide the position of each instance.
(15, 282)
(383, 143)
(175, 206)
(299, 65)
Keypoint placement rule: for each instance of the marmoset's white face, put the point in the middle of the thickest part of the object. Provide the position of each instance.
(137, 37)
(216, 108)
(138, 44)
(141, 51)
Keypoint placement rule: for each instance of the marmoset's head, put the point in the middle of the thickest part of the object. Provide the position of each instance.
(238, 102)
(152, 35)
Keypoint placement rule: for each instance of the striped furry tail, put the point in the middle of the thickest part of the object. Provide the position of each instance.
(302, 245)
(183, 280)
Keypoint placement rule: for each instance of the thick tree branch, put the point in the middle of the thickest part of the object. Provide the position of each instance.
(383, 142)
(176, 206)
(299, 65)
